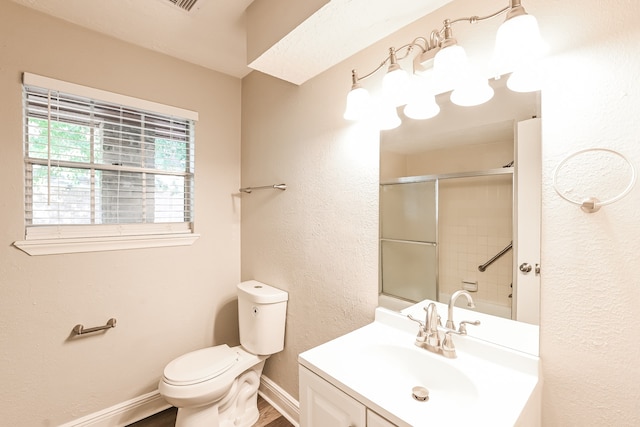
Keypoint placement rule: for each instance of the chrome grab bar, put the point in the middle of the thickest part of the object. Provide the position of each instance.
(484, 266)
(80, 330)
(274, 186)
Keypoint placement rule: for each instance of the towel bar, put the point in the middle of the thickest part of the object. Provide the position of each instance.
(593, 204)
(274, 186)
(80, 330)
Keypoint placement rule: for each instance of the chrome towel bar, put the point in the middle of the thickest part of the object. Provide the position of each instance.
(80, 330)
(274, 186)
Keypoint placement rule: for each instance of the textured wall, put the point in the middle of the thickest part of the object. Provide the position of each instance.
(316, 240)
(307, 239)
(589, 343)
(167, 301)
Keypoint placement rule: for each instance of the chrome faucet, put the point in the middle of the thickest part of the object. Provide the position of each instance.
(429, 336)
(452, 301)
(433, 337)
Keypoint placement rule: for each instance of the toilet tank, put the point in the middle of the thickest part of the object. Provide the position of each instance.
(262, 311)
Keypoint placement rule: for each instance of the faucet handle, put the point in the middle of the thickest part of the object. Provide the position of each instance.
(462, 329)
(420, 322)
(422, 332)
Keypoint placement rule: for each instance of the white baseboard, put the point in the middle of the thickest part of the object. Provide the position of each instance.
(151, 403)
(123, 413)
(280, 400)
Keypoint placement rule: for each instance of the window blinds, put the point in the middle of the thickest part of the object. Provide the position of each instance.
(91, 161)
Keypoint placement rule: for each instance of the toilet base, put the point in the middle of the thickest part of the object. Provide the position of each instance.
(238, 408)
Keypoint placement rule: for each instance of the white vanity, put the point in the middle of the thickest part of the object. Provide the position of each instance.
(369, 378)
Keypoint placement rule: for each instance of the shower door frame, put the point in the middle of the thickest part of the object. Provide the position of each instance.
(436, 179)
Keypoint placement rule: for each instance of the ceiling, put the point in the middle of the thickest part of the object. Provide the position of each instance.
(213, 33)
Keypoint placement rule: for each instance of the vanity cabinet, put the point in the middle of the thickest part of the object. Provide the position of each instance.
(322, 404)
(375, 420)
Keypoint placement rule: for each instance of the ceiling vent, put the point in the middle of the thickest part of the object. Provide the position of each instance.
(184, 4)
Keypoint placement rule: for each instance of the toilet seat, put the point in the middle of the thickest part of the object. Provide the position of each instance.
(200, 365)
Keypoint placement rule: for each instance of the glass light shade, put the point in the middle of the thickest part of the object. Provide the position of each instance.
(395, 86)
(518, 41)
(422, 104)
(473, 90)
(525, 79)
(358, 103)
(449, 65)
(422, 110)
(388, 116)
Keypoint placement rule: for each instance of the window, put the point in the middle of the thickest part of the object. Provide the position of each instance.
(104, 171)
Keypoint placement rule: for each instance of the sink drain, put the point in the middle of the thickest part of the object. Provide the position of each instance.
(421, 394)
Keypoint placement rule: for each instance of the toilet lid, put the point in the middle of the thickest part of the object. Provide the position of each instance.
(200, 365)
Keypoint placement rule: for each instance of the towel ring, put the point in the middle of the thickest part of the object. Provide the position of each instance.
(592, 204)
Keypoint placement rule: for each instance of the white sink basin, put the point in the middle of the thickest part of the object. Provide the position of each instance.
(401, 368)
(379, 365)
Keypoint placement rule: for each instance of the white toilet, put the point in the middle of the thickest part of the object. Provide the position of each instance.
(218, 386)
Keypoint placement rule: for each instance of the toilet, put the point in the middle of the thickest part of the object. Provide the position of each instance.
(218, 386)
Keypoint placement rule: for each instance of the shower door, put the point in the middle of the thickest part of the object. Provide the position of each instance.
(408, 240)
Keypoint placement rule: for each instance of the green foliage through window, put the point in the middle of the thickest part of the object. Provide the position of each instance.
(91, 162)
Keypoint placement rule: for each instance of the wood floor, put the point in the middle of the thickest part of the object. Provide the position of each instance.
(269, 417)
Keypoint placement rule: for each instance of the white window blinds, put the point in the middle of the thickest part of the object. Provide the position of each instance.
(91, 161)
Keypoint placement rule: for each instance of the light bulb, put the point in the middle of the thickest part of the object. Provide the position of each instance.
(358, 103)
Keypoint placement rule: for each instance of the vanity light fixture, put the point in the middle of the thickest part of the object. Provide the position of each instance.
(358, 100)
(441, 65)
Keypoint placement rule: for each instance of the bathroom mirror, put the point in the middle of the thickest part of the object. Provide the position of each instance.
(448, 205)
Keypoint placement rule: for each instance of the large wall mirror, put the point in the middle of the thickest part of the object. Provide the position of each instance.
(459, 196)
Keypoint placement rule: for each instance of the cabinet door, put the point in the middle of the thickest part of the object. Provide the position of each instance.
(375, 420)
(323, 405)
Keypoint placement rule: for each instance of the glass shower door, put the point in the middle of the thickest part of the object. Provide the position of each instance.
(408, 240)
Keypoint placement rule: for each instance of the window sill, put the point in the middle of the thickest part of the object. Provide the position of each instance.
(104, 243)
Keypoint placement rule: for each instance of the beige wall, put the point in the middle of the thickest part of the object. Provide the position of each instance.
(589, 342)
(318, 239)
(167, 301)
